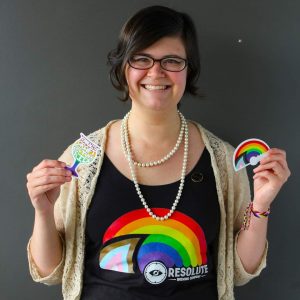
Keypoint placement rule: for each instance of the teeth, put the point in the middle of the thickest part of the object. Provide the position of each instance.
(155, 87)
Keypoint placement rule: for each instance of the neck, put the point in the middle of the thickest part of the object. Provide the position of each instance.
(153, 129)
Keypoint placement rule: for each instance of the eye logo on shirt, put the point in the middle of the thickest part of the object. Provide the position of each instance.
(175, 249)
(155, 272)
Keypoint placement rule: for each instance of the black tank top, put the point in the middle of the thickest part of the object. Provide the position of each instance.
(131, 256)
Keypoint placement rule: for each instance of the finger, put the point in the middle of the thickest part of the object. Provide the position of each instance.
(272, 176)
(34, 188)
(49, 163)
(274, 151)
(265, 174)
(50, 172)
(43, 189)
(45, 180)
(274, 165)
(274, 157)
(277, 151)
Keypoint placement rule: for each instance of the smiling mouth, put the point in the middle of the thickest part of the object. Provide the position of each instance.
(150, 87)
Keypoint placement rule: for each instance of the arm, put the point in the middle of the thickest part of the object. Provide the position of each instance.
(47, 187)
(269, 177)
(46, 245)
(251, 243)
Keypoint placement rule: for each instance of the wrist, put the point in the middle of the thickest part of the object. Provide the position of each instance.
(46, 214)
(259, 211)
(261, 207)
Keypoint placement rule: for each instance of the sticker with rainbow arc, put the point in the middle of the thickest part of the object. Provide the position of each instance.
(249, 152)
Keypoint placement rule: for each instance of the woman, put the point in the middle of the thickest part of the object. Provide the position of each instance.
(163, 219)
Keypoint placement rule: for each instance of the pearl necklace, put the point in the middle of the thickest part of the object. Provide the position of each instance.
(166, 157)
(128, 155)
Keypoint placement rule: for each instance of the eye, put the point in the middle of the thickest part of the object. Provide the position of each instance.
(140, 59)
(155, 272)
(173, 61)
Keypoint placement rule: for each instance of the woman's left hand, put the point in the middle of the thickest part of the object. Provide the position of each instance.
(269, 177)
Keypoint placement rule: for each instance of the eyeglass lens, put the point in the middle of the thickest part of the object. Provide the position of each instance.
(167, 63)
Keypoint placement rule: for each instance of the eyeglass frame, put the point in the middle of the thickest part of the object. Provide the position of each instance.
(158, 60)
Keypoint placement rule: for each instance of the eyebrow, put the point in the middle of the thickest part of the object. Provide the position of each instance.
(165, 56)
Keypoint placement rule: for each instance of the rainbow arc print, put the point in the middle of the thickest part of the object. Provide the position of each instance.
(249, 152)
(136, 237)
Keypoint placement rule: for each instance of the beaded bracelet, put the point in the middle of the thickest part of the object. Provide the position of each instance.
(257, 214)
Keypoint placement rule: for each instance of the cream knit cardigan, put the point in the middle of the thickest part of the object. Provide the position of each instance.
(75, 197)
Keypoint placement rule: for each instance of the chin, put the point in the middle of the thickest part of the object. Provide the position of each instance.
(160, 106)
(155, 104)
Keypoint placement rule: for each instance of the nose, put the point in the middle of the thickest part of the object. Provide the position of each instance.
(156, 70)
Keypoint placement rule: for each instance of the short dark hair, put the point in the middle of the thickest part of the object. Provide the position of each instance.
(145, 28)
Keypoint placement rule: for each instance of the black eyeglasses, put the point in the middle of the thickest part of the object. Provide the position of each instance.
(169, 63)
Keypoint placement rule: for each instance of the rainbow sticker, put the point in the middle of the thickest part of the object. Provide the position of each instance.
(136, 237)
(249, 152)
(84, 151)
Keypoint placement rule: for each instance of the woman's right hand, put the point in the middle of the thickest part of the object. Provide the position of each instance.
(43, 184)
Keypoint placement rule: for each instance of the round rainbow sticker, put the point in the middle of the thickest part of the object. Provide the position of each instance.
(136, 236)
(249, 152)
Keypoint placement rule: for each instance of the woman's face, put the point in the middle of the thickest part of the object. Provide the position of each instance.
(141, 82)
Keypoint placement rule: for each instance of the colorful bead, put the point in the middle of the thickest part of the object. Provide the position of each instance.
(257, 214)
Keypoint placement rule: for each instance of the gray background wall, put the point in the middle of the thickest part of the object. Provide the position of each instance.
(54, 84)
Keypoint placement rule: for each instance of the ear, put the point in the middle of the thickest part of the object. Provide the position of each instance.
(126, 69)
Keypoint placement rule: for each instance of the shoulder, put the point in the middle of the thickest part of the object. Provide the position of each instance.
(213, 141)
(98, 136)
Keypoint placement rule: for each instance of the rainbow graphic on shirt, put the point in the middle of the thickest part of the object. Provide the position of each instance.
(136, 237)
(249, 152)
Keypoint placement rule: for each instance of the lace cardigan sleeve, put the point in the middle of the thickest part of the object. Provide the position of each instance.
(242, 197)
(56, 276)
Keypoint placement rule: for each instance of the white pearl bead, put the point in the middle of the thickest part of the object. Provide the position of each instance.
(125, 133)
(127, 151)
